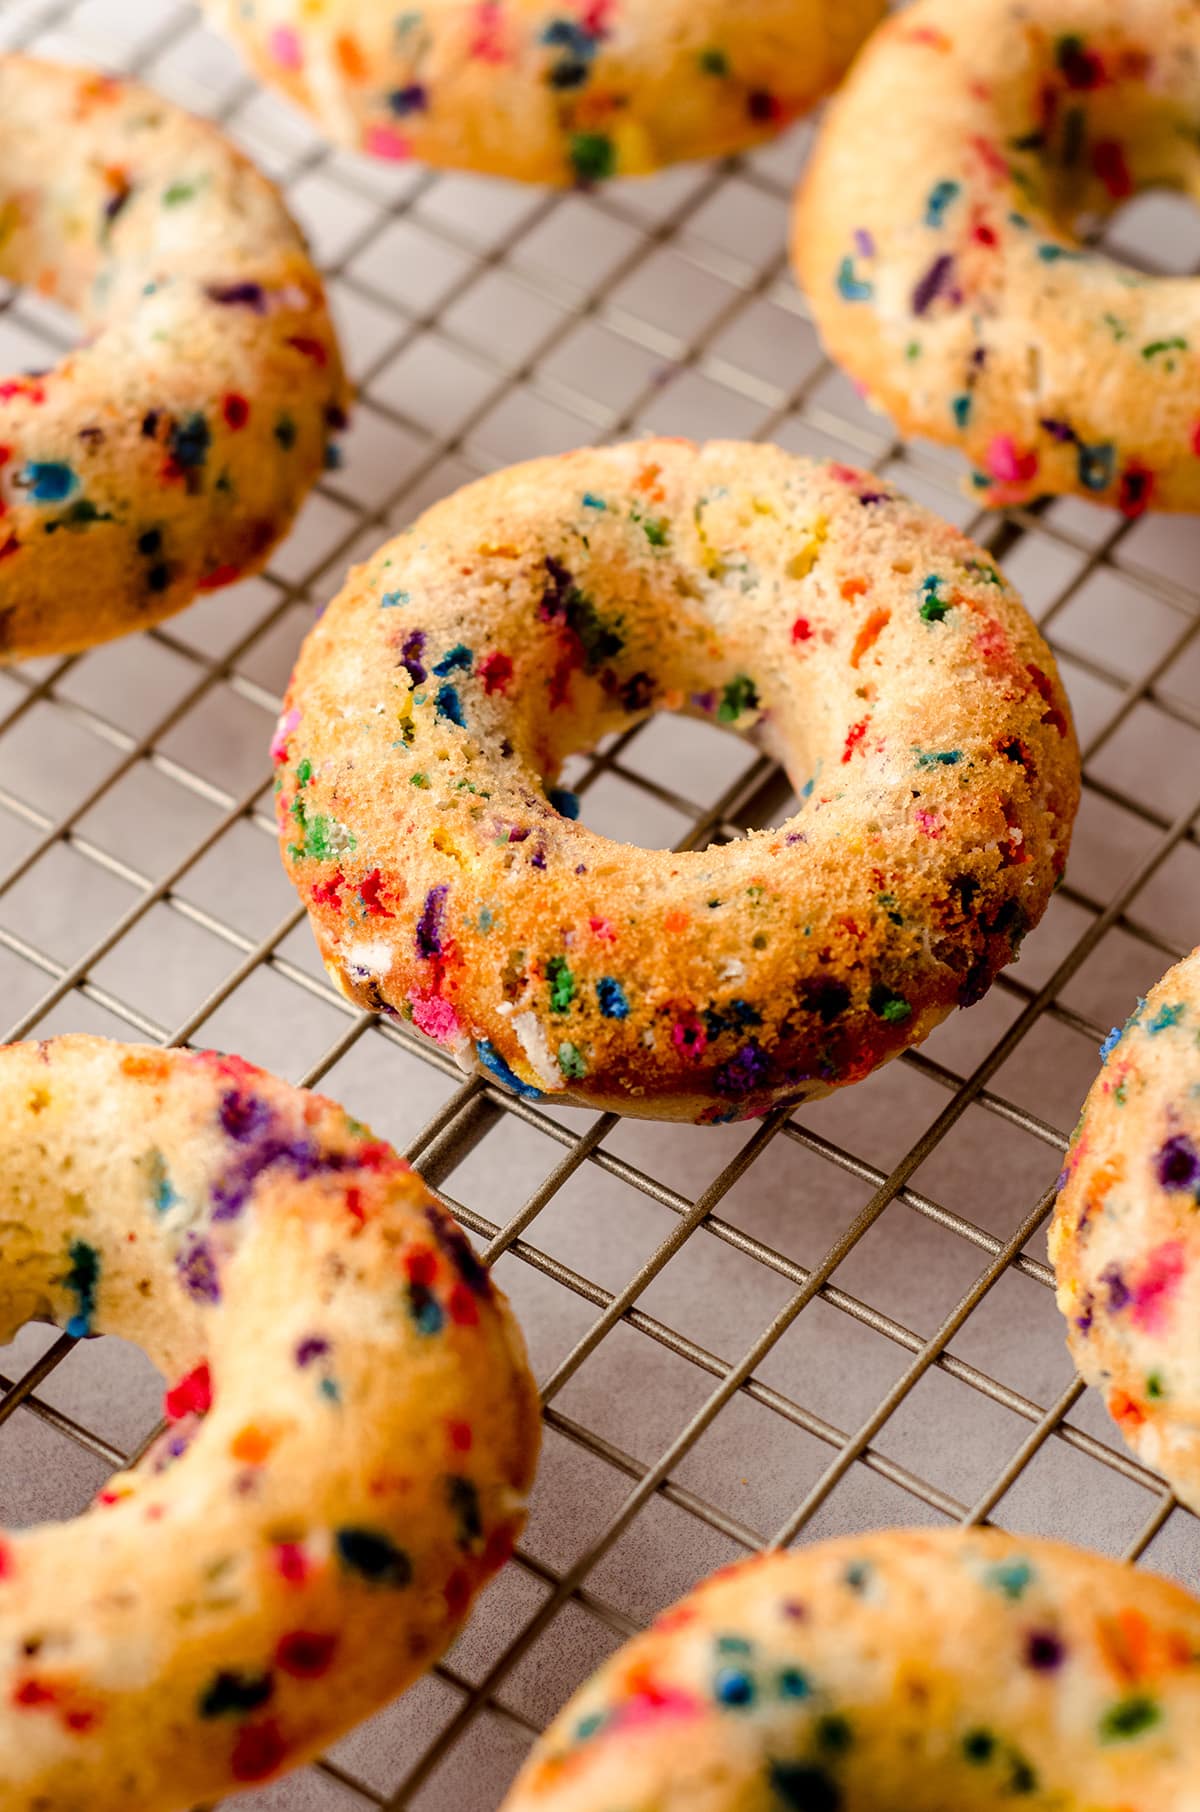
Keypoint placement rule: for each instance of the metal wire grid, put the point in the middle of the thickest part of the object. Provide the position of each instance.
(683, 226)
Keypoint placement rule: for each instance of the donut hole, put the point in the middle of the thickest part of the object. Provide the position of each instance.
(656, 789)
(1156, 231)
(1092, 127)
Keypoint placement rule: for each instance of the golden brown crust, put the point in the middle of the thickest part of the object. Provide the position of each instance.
(168, 453)
(947, 274)
(874, 648)
(354, 1427)
(923, 1669)
(1125, 1239)
(548, 92)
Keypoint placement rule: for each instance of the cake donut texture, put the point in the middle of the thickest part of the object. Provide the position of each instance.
(925, 1670)
(169, 452)
(947, 275)
(1125, 1239)
(874, 649)
(353, 1435)
(552, 91)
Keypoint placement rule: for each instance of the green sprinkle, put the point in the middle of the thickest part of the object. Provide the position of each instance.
(738, 697)
(1154, 1386)
(1129, 1718)
(570, 1061)
(178, 192)
(418, 780)
(593, 156)
(1010, 1577)
(304, 772)
(1154, 347)
(562, 984)
(713, 61)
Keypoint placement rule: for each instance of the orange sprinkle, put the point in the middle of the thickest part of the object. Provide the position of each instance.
(350, 58)
(252, 1444)
(676, 921)
(1122, 1408)
(149, 1066)
(647, 481)
(869, 634)
(853, 588)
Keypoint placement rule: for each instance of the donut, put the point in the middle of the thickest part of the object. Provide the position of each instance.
(949, 274)
(169, 452)
(924, 1669)
(550, 91)
(1125, 1239)
(872, 648)
(353, 1427)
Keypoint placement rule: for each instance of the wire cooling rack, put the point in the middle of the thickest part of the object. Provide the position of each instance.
(825, 1322)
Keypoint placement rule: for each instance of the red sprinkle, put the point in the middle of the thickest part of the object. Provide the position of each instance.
(292, 1562)
(464, 1310)
(460, 1435)
(257, 1752)
(236, 411)
(325, 893)
(854, 737)
(368, 893)
(304, 1654)
(312, 349)
(421, 1267)
(801, 629)
(496, 670)
(192, 1396)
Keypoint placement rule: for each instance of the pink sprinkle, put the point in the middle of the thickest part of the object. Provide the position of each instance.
(487, 44)
(1165, 1267)
(283, 729)
(929, 822)
(435, 1017)
(385, 141)
(286, 47)
(1006, 464)
(844, 474)
(604, 929)
(653, 1703)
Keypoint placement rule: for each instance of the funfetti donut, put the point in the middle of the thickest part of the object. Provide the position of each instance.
(354, 1427)
(1125, 1239)
(941, 238)
(168, 453)
(929, 1670)
(876, 650)
(552, 91)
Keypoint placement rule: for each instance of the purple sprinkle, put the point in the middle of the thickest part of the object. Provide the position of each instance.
(1060, 431)
(461, 1253)
(410, 656)
(1084, 1322)
(239, 295)
(1179, 1163)
(198, 1270)
(538, 858)
(795, 837)
(705, 701)
(1118, 1289)
(935, 281)
(313, 1347)
(746, 1070)
(243, 1116)
(1043, 1651)
(431, 922)
(864, 242)
(558, 592)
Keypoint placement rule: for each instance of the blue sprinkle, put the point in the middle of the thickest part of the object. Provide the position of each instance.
(449, 705)
(940, 197)
(495, 1065)
(960, 408)
(612, 998)
(1165, 1018)
(591, 502)
(78, 1326)
(734, 1687)
(564, 800)
(392, 599)
(49, 480)
(793, 1684)
(1111, 1042)
(850, 287)
(457, 660)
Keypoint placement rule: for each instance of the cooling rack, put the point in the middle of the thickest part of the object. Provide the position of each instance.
(827, 1321)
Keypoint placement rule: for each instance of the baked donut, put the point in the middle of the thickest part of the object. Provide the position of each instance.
(1125, 1239)
(167, 454)
(354, 1426)
(875, 650)
(551, 91)
(948, 274)
(926, 1669)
